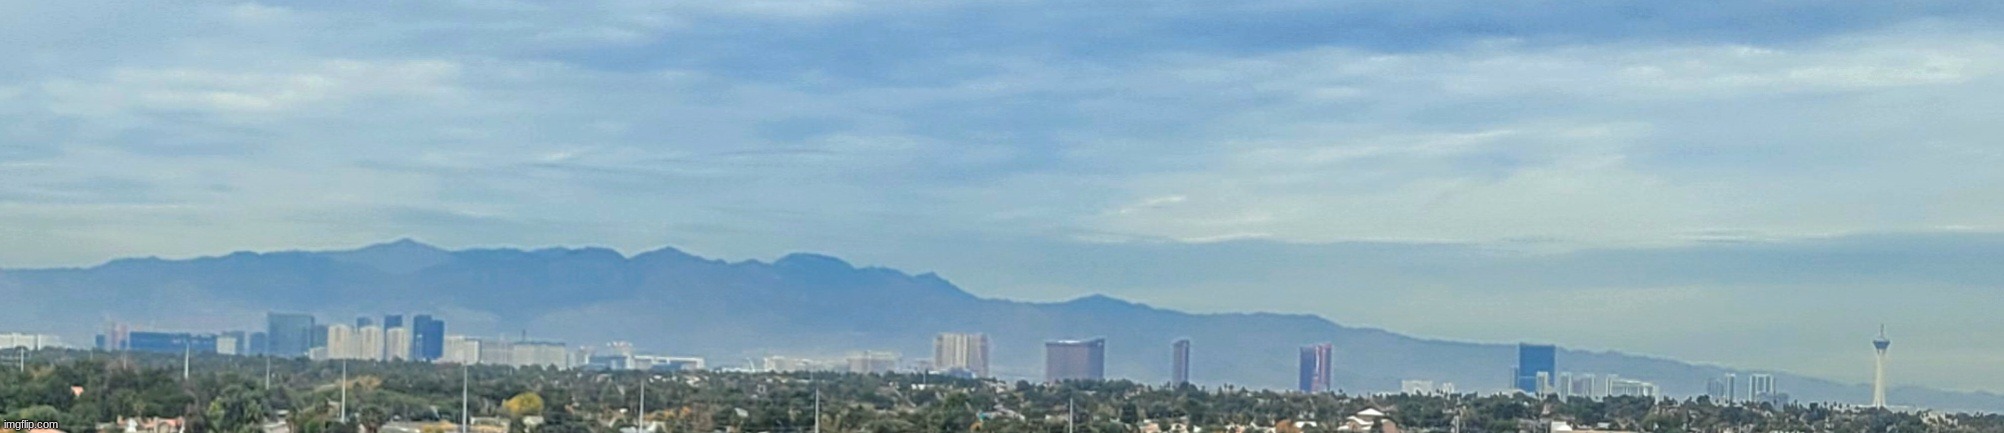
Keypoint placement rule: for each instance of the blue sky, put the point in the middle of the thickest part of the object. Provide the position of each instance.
(1754, 183)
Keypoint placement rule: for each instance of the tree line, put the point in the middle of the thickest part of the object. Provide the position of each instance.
(82, 389)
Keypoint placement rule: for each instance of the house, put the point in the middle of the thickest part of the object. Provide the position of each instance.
(1563, 427)
(152, 425)
(1364, 421)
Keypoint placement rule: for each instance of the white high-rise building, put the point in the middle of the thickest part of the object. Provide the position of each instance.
(342, 342)
(873, 362)
(495, 352)
(1760, 387)
(1636, 388)
(1416, 387)
(31, 341)
(226, 345)
(369, 343)
(968, 352)
(539, 353)
(1732, 388)
(397, 344)
(460, 349)
(1581, 385)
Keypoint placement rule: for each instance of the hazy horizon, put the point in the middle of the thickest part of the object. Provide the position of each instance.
(1752, 184)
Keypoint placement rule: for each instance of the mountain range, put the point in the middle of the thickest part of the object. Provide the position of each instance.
(801, 305)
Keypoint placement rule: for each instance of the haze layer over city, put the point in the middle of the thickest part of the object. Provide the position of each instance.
(1666, 193)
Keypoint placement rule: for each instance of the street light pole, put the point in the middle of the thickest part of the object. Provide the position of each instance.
(344, 391)
(640, 420)
(465, 415)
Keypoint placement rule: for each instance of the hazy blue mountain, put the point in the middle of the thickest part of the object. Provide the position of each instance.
(800, 305)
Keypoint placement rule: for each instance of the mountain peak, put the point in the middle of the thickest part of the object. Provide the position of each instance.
(401, 256)
(402, 244)
(814, 262)
(1097, 300)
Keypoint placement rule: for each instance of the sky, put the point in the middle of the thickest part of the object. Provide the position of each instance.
(1749, 183)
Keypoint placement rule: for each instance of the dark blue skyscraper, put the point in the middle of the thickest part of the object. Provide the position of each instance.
(170, 342)
(1533, 359)
(393, 321)
(260, 344)
(288, 334)
(427, 337)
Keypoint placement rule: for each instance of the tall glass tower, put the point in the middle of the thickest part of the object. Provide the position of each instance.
(1534, 360)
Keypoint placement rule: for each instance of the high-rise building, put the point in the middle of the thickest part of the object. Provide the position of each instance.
(1416, 387)
(1179, 362)
(228, 343)
(1627, 387)
(966, 353)
(1715, 388)
(427, 337)
(460, 349)
(1582, 386)
(1533, 359)
(539, 354)
(1732, 388)
(1317, 367)
(397, 344)
(1075, 360)
(867, 362)
(1760, 387)
(170, 342)
(288, 334)
(393, 321)
(319, 340)
(259, 344)
(1879, 368)
(495, 352)
(364, 322)
(29, 341)
(370, 342)
(342, 342)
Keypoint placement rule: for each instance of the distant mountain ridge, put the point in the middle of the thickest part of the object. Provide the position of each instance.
(799, 305)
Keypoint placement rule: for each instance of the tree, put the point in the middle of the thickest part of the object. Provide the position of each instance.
(237, 410)
(525, 404)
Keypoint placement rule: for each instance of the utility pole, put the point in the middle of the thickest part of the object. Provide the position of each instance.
(465, 415)
(641, 420)
(187, 354)
(267, 372)
(817, 410)
(344, 391)
(1071, 424)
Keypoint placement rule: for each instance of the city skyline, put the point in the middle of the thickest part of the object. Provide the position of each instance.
(1677, 384)
(954, 353)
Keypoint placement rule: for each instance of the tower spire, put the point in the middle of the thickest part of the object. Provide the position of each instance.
(1879, 367)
